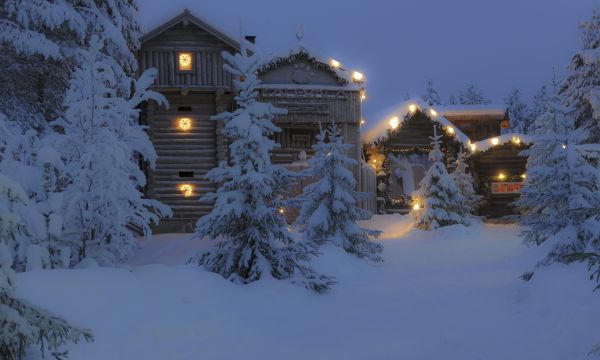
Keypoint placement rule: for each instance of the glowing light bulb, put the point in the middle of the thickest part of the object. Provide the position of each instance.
(516, 140)
(362, 121)
(473, 147)
(501, 176)
(416, 206)
(281, 210)
(523, 176)
(412, 108)
(394, 122)
(357, 76)
(433, 112)
(564, 146)
(184, 124)
(495, 141)
(334, 63)
(186, 189)
(450, 130)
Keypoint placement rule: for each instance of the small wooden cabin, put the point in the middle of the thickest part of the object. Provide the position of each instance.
(187, 53)
(401, 155)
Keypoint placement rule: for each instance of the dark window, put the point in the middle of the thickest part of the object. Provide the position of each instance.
(186, 174)
(184, 108)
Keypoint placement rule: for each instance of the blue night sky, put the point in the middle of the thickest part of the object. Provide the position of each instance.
(398, 45)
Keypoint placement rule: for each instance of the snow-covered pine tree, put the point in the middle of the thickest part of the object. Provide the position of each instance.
(518, 113)
(472, 96)
(328, 210)
(431, 96)
(23, 325)
(24, 158)
(538, 105)
(100, 141)
(560, 197)
(441, 201)
(464, 182)
(581, 88)
(253, 238)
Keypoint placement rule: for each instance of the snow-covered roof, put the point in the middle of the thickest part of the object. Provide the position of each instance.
(437, 114)
(488, 110)
(380, 130)
(487, 144)
(275, 60)
(186, 15)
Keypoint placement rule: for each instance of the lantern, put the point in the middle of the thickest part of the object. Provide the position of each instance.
(186, 189)
(184, 124)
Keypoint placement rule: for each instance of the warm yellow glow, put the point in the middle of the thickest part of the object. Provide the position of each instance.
(450, 130)
(357, 76)
(186, 189)
(281, 210)
(363, 95)
(495, 141)
(374, 161)
(473, 147)
(362, 121)
(412, 108)
(185, 61)
(524, 176)
(516, 140)
(334, 63)
(184, 124)
(394, 122)
(416, 206)
(501, 176)
(433, 112)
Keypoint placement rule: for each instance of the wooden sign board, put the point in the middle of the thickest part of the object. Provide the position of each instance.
(506, 187)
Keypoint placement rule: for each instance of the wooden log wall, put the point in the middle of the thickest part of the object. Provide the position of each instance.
(161, 52)
(184, 157)
(486, 166)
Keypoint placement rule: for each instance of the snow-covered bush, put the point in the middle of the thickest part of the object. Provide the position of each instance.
(464, 181)
(23, 325)
(101, 141)
(254, 240)
(560, 196)
(328, 207)
(438, 201)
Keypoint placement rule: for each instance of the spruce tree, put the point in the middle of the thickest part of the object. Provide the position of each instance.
(101, 141)
(440, 201)
(472, 96)
(328, 207)
(24, 326)
(518, 113)
(581, 88)
(560, 198)
(464, 182)
(431, 96)
(252, 234)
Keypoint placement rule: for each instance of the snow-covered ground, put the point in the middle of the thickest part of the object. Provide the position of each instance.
(447, 294)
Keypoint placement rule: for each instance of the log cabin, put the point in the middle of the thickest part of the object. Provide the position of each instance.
(186, 50)
(398, 150)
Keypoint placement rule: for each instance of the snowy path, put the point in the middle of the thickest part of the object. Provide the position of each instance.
(451, 294)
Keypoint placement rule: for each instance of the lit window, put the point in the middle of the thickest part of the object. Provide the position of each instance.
(184, 124)
(185, 61)
(186, 189)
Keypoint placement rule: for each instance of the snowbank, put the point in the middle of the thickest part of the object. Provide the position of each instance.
(447, 294)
